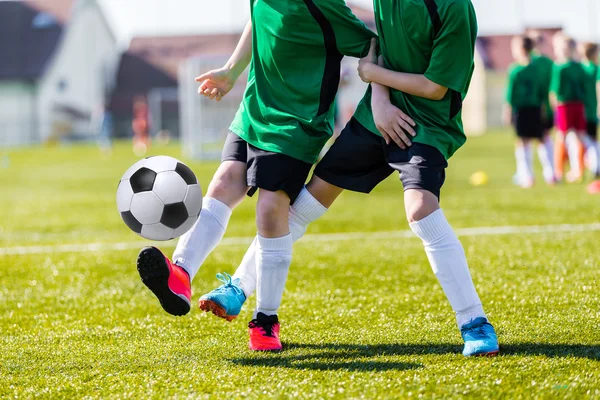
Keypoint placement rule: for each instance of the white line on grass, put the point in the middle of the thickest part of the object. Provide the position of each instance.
(319, 237)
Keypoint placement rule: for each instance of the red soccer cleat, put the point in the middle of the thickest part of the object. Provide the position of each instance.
(264, 333)
(168, 281)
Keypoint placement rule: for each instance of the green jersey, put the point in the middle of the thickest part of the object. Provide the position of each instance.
(545, 66)
(591, 94)
(525, 86)
(297, 48)
(568, 82)
(437, 43)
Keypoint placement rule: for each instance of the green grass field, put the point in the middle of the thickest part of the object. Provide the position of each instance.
(362, 317)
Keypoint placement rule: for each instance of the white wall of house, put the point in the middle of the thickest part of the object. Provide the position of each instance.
(17, 113)
(75, 75)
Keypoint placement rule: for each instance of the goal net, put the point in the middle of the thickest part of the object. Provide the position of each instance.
(204, 122)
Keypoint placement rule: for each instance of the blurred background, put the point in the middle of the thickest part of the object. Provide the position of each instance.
(95, 70)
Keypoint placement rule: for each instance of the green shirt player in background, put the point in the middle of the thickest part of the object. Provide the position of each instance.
(525, 101)
(589, 61)
(568, 92)
(427, 62)
(294, 48)
(544, 65)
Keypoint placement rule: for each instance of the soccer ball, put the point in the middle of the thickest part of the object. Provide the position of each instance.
(159, 198)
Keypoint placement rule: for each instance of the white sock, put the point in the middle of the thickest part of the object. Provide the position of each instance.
(546, 154)
(529, 160)
(449, 263)
(305, 210)
(522, 170)
(591, 151)
(597, 146)
(572, 144)
(273, 259)
(193, 247)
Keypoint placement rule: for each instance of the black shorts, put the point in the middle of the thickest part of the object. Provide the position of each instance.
(359, 160)
(592, 130)
(528, 122)
(267, 170)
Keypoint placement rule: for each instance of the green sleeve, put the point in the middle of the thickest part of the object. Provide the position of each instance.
(352, 36)
(555, 82)
(451, 63)
(510, 86)
(597, 74)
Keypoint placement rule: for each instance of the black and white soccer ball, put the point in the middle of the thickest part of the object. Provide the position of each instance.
(159, 198)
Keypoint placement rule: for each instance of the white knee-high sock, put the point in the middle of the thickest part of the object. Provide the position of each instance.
(193, 247)
(304, 211)
(597, 146)
(529, 159)
(449, 263)
(591, 151)
(546, 154)
(273, 259)
(572, 144)
(522, 169)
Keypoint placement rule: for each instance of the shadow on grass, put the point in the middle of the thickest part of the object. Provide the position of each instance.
(354, 357)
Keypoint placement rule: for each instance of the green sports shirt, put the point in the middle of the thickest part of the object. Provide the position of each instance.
(545, 65)
(437, 39)
(525, 86)
(591, 94)
(297, 48)
(569, 82)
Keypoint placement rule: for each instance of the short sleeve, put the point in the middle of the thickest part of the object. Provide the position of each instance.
(451, 63)
(597, 74)
(352, 36)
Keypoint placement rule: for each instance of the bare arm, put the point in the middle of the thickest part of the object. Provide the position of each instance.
(242, 54)
(217, 83)
(393, 124)
(414, 84)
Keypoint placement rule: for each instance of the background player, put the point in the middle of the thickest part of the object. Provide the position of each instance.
(589, 61)
(428, 64)
(544, 64)
(284, 120)
(525, 98)
(568, 92)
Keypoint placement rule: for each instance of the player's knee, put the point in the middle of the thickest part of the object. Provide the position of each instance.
(271, 218)
(227, 186)
(417, 213)
(419, 205)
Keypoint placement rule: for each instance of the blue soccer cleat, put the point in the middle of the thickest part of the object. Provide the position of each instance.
(226, 301)
(480, 338)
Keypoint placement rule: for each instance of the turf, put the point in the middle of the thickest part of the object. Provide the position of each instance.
(361, 318)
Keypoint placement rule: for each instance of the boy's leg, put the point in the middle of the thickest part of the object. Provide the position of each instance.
(273, 259)
(546, 154)
(273, 250)
(560, 155)
(171, 281)
(422, 171)
(524, 157)
(226, 190)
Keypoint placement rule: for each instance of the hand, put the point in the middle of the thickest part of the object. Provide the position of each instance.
(217, 83)
(366, 64)
(393, 124)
